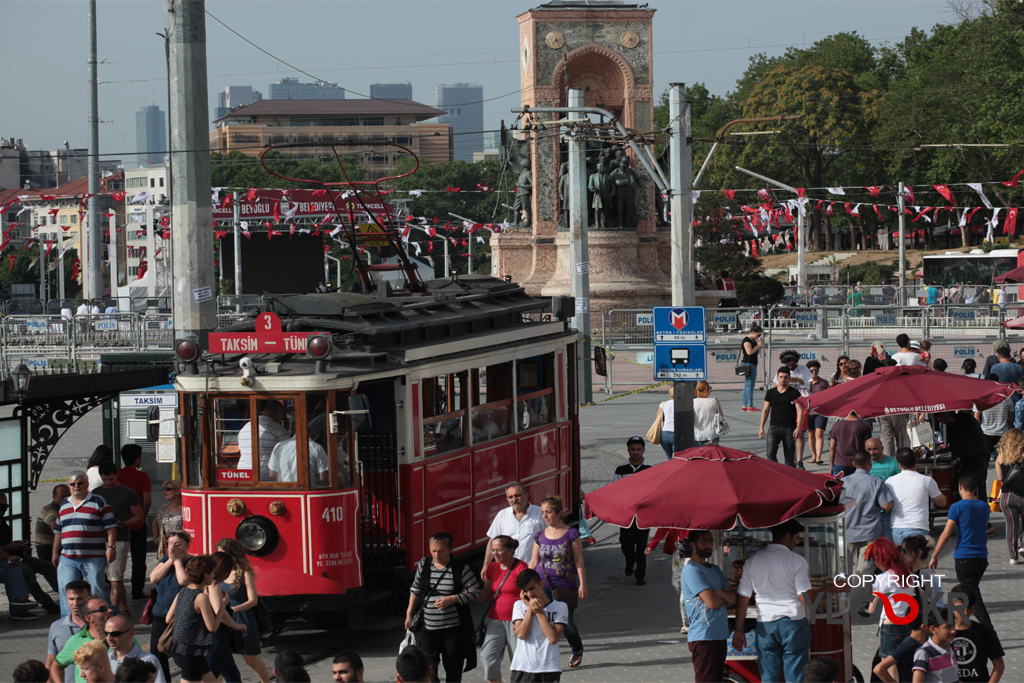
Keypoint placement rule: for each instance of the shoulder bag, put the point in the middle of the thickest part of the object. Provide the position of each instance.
(166, 643)
(147, 611)
(417, 622)
(480, 635)
(570, 596)
(1013, 481)
(721, 426)
(654, 433)
(742, 370)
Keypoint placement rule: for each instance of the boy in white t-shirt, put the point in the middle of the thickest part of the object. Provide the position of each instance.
(538, 622)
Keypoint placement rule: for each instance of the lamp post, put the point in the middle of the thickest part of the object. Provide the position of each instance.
(21, 377)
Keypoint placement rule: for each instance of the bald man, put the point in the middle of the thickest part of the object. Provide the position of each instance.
(120, 638)
(882, 466)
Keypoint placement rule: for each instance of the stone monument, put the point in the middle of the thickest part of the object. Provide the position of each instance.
(603, 47)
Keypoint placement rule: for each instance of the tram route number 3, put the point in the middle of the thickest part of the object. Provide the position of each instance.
(333, 514)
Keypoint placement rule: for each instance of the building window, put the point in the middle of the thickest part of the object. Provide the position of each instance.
(152, 182)
(302, 121)
(63, 220)
(74, 220)
(373, 121)
(535, 391)
(161, 182)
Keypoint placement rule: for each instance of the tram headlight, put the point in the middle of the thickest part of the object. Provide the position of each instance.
(258, 535)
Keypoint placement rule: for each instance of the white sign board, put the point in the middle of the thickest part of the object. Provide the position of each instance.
(202, 294)
(37, 363)
(167, 422)
(167, 400)
(106, 325)
(166, 450)
(645, 319)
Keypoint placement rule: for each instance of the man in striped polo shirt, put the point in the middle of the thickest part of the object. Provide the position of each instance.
(83, 539)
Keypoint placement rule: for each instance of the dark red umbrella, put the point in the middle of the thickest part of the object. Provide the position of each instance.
(1014, 276)
(713, 488)
(906, 389)
(1015, 324)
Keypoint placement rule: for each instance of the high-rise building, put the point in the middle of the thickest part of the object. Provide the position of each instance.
(235, 96)
(150, 135)
(291, 89)
(391, 91)
(464, 104)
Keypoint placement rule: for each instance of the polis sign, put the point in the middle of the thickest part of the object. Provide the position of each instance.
(266, 338)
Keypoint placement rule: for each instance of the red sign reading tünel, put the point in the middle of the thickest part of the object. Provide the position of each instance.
(267, 338)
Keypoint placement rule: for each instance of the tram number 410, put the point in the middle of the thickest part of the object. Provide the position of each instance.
(333, 514)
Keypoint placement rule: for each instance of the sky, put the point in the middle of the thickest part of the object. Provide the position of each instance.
(358, 43)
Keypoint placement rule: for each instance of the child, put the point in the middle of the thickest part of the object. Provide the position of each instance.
(975, 644)
(538, 623)
(968, 517)
(903, 656)
(934, 662)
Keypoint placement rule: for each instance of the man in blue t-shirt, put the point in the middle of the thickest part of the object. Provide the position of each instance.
(706, 595)
(968, 517)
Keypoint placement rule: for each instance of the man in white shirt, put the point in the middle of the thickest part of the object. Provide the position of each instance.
(907, 356)
(779, 578)
(284, 463)
(521, 520)
(83, 309)
(120, 634)
(271, 433)
(95, 308)
(911, 492)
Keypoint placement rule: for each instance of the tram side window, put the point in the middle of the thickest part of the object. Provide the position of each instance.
(229, 417)
(444, 412)
(535, 393)
(492, 402)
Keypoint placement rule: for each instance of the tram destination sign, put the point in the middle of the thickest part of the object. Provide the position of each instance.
(266, 338)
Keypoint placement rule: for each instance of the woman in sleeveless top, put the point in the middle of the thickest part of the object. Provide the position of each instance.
(705, 409)
(750, 349)
(241, 588)
(668, 427)
(197, 615)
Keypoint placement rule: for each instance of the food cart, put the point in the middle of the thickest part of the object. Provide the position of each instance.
(946, 473)
(824, 547)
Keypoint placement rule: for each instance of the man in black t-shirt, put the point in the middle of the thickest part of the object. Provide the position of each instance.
(975, 645)
(632, 539)
(786, 416)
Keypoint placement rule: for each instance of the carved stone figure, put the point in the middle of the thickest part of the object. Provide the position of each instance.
(524, 192)
(602, 185)
(563, 195)
(625, 198)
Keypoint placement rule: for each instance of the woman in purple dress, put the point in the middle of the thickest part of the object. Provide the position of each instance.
(558, 558)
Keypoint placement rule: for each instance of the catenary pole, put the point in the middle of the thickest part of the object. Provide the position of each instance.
(903, 252)
(238, 244)
(579, 250)
(191, 210)
(93, 261)
(681, 202)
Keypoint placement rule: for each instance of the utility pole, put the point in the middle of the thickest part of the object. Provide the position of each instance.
(903, 253)
(93, 261)
(579, 250)
(238, 245)
(681, 202)
(195, 305)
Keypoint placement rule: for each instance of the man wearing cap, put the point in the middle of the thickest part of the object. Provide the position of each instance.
(906, 356)
(632, 539)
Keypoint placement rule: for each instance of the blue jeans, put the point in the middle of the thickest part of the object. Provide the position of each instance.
(91, 569)
(572, 634)
(899, 534)
(783, 647)
(890, 637)
(887, 524)
(847, 471)
(748, 385)
(783, 435)
(14, 580)
(668, 444)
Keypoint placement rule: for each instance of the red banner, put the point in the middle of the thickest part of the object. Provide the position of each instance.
(262, 207)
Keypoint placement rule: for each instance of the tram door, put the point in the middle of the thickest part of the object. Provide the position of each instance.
(377, 466)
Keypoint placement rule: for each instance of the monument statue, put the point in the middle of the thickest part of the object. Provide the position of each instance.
(602, 185)
(563, 195)
(626, 179)
(524, 194)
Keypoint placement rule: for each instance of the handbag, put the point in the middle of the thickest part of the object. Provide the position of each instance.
(147, 611)
(721, 426)
(570, 596)
(418, 619)
(409, 640)
(237, 642)
(481, 630)
(654, 433)
(993, 499)
(1013, 481)
(742, 370)
(166, 643)
(920, 434)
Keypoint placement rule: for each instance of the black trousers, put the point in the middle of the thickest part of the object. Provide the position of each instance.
(137, 549)
(159, 626)
(444, 646)
(633, 542)
(969, 571)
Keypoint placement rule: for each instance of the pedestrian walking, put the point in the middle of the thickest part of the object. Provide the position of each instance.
(848, 436)
(219, 658)
(1018, 409)
(674, 545)
(89, 543)
(966, 442)
(168, 577)
(119, 632)
(1011, 452)
(45, 521)
(906, 355)
(902, 658)
(915, 551)
(911, 492)
(935, 661)
(501, 591)
(876, 359)
(77, 594)
(558, 558)
(968, 517)
(799, 379)
(816, 424)
(30, 671)
(633, 539)
(997, 346)
(750, 350)
(127, 511)
(521, 520)
(975, 645)
(997, 419)
(445, 586)
(707, 410)
(779, 401)
(840, 364)
(539, 621)
(347, 668)
(667, 409)
(138, 481)
(96, 613)
(778, 578)
(168, 517)
(970, 368)
(413, 665)
(240, 586)
(92, 661)
(707, 596)
(892, 580)
(101, 454)
(864, 519)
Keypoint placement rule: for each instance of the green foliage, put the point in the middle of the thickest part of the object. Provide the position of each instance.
(711, 255)
(238, 170)
(437, 202)
(874, 272)
(759, 290)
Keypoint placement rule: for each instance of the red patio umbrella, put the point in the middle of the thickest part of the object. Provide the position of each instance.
(1014, 276)
(906, 389)
(713, 488)
(1015, 324)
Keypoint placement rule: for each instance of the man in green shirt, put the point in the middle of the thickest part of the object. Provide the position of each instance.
(882, 466)
(96, 613)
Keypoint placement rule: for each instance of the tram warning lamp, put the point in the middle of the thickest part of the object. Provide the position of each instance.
(319, 348)
(187, 351)
(21, 377)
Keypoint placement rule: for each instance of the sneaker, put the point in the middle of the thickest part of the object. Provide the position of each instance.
(1020, 554)
(23, 601)
(23, 616)
(52, 608)
(629, 569)
(641, 582)
(1013, 562)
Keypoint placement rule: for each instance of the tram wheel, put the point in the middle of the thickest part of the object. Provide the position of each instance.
(857, 676)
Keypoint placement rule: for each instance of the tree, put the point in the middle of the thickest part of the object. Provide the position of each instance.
(238, 170)
(718, 242)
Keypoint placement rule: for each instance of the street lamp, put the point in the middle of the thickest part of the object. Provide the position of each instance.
(801, 272)
(21, 376)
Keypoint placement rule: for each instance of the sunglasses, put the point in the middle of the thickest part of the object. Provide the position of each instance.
(117, 634)
(170, 488)
(814, 370)
(100, 609)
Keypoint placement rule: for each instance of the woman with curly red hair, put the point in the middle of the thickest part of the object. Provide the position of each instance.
(893, 579)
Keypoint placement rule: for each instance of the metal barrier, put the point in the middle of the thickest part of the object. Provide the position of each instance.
(107, 331)
(157, 331)
(240, 304)
(38, 341)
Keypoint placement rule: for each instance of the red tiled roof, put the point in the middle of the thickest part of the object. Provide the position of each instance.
(335, 108)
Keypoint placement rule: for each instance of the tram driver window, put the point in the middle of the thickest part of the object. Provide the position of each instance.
(283, 465)
(275, 423)
(492, 402)
(535, 393)
(444, 412)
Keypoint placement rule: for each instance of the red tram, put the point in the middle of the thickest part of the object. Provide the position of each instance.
(332, 434)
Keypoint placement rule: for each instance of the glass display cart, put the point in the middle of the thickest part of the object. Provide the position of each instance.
(823, 544)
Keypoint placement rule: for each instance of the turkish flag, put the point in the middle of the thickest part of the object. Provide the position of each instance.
(1010, 225)
(277, 213)
(251, 194)
(226, 202)
(143, 267)
(221, 234)
(874, 190)
(119, 196)
(731, 194)
(75, 265)
(1013, 183)
(945, 192)
(13, 258)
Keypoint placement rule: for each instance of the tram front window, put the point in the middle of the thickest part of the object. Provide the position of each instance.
(235, 430)
(284, 459)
